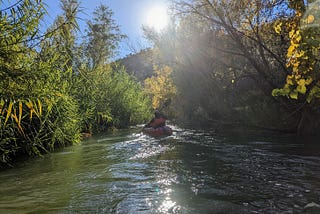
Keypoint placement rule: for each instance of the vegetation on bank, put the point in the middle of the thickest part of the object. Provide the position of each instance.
(55, 86)
(244, 62)
(219, 62)
(160, 87)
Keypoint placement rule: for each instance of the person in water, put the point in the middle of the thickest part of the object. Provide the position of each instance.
(159, 120)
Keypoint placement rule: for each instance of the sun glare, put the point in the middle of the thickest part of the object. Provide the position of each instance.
(157, 18)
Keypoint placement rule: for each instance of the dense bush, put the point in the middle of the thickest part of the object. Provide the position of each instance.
(48, 95)
(110, 97)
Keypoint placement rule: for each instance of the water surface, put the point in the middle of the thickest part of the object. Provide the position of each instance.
(189, 172)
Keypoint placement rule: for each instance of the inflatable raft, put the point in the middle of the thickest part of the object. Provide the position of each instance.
(158, 132)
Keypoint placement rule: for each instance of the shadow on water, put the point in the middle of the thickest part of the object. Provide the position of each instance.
(188, 172)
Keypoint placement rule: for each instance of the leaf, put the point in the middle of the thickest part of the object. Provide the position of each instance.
(277, 28)
(29, 104)
(276, 92)
(1, 105)
(299, 54)
(291, 33)
(297, 37)
(309, 98)
(49, 106)
(309, 80)
(302, 82)
(20, 112)
(40, 108)
(294, 94)
(289, 80)
(291, 51)
(301, 89)
(14, 116)
(8, 112)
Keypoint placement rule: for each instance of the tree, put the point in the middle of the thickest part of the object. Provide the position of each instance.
(302, 56)
(160, 87)
(36, 113)
(63, 39)
(226, 59)
(103, 36)
(248, 30)
(302, 84)
(44, 89)
(19, 32)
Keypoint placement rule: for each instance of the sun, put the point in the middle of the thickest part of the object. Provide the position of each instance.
(157, 18)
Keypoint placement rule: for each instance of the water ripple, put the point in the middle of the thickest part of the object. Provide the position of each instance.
(189, 172)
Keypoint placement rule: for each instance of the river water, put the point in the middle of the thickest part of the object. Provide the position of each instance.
(188, 172)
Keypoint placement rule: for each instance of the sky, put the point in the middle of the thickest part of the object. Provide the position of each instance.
(130, 15)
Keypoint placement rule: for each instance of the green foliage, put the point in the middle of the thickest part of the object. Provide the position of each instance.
(109, 96)
(34, 126)
(47, 94)
(129, 104)
(226, 59)
(302, 57)
(103, 36)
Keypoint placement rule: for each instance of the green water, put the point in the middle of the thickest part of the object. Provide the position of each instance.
(189, 172)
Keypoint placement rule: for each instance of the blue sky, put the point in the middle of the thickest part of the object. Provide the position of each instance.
(130, 15)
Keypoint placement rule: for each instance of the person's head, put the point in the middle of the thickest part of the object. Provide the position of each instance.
(157, 113)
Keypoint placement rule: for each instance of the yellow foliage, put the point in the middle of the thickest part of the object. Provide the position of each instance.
(299, 54)
(294, 94)
(9, 109)
(40, 108)
(309, 80)
(301, 89)
(310, 19)
(301, 58)
(29, 104)
(291, 33)
(1, 105)
(13, 109)
(289, 80)
(160, 87)
(277, 27)
(20, 114)
(291, 50)
(16, 119)
(301, 82)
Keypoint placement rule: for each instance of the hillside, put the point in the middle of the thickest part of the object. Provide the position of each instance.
(139, 65)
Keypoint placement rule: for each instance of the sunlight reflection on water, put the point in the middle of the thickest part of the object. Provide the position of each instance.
(166, 205)
(188, 172)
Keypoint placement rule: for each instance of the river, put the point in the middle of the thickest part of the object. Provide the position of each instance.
(191, 171)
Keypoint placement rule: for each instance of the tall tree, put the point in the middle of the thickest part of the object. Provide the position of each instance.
(65, 39)
(246, 23)
(160, 87)
(103, 36)
(227, 57)
(35, 116)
